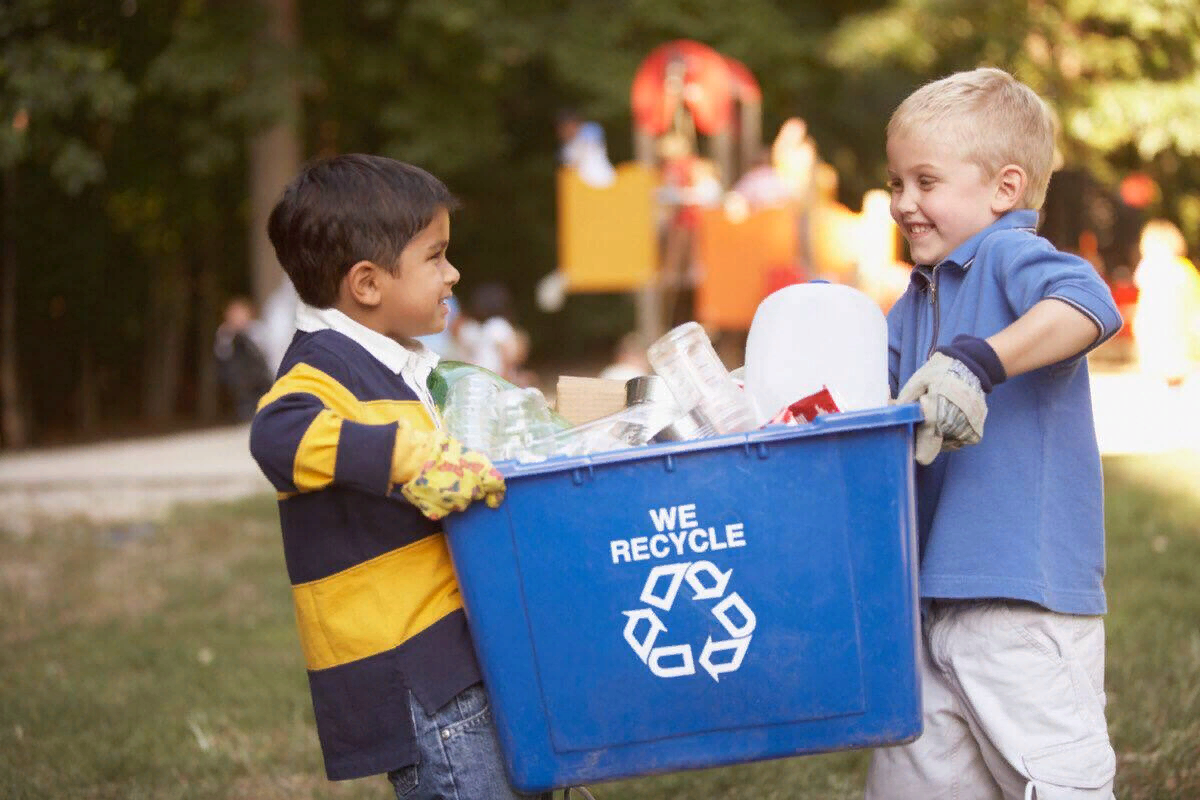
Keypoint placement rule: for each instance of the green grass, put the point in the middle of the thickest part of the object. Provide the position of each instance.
(161, 661)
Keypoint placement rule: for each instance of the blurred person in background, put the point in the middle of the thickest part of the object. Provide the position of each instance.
(277, 325)
(486, 336)
(762, 186)
(584, 149)
(629, 359)
(1166, 325)
(687, 184)
(241, 366)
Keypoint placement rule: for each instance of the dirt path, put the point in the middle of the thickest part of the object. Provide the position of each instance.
(126, 480)
(141, 479)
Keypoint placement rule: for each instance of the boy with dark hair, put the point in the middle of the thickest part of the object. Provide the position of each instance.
(350, 438)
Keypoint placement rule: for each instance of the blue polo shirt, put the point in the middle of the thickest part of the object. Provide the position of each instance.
(1021, 514)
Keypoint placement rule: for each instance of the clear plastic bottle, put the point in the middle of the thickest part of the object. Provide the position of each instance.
(468, 397)
(522, 418)
(686, 360)
(470, 411)
(630, 427)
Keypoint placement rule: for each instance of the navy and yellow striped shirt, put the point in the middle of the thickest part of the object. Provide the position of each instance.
(377, 603)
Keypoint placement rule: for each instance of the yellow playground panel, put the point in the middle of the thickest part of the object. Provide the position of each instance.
(740, 263)
(606, 235)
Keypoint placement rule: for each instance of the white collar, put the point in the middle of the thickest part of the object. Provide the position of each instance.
(413, 358)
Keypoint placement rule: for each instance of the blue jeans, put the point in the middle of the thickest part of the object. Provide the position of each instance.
(460, 754)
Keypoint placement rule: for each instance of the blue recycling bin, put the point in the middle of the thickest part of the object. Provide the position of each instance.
(690, 605)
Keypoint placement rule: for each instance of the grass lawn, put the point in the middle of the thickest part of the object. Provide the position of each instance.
(161, 661)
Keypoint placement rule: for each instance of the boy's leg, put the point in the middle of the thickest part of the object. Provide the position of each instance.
(460, 754)
(1032, 682)
(945, 762)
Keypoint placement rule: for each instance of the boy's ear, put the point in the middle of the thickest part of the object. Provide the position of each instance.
(362, 283)
(1010, 189)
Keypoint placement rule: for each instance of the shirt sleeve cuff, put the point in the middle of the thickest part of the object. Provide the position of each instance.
(364, 457)
(1101, 310)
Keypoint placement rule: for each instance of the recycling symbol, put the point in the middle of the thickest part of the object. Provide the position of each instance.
(643, 625)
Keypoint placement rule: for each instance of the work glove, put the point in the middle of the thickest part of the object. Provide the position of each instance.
(952, 389)
(438, 475)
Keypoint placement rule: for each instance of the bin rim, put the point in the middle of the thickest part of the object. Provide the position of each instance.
(825, 424)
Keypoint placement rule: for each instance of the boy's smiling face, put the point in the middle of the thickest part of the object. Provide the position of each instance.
(939, 199)
(414, 299)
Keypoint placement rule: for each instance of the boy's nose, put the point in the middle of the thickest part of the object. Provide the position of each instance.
(452, 274)
(902, 202)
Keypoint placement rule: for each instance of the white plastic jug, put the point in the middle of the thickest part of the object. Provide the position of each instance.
(810, 335)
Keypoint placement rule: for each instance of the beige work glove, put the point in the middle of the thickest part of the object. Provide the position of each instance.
(953, 402)
(438, 475)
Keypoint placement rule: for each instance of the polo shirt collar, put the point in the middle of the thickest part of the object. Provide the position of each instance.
(964, 254)
(412, 357)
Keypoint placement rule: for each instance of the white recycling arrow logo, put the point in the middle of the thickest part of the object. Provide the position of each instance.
(643, 625)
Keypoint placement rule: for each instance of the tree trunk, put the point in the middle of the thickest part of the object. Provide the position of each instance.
(167, 320)
(274, 155)
(87, 405)
(13, 423)
(207, 390)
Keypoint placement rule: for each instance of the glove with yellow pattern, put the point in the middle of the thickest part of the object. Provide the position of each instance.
(438, 475)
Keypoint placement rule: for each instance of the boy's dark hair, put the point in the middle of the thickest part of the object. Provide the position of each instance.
(566, 115)
(346, 209)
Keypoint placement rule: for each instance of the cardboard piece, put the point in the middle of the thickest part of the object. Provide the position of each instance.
(580, 400)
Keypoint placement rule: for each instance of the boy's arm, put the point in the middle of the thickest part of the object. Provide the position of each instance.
(1063, 309)
(1069, 310)
(1050, 332)
(306, 437)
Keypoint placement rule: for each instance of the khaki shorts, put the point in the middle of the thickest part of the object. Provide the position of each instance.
(1013, 706)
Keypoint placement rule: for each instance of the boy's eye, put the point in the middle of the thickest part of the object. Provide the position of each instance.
(926, 182)
(895, 184)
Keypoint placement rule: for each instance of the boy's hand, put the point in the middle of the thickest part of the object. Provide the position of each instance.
(953, 402)
(438, 475)
(952, 389)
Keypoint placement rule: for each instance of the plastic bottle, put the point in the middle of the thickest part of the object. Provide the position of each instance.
(634, 426)
(469, 411)
(812, 335)
(522, 418)
(686, 360)
(468, 398)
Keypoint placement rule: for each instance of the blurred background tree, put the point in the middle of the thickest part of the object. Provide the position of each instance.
(1123, 76)
(141, 144)
(60, 100)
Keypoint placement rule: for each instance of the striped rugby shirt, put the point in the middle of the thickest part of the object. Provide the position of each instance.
(377, 603)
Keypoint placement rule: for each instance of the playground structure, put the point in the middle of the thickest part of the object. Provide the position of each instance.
(696, 113)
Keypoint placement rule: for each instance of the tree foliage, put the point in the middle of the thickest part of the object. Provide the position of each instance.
(60, 95)
(127, 124)
(1123, 75)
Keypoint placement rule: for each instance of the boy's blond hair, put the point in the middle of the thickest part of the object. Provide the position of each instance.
(991, 118)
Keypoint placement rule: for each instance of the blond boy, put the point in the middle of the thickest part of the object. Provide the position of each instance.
(995, 324)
